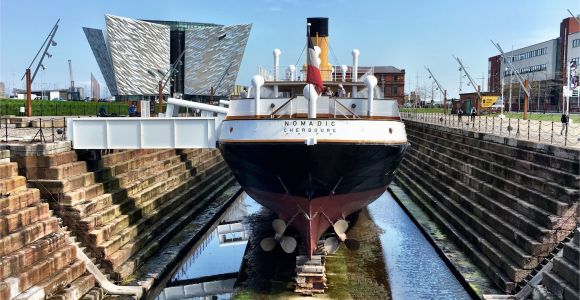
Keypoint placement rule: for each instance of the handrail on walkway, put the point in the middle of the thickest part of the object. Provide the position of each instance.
(546, 132)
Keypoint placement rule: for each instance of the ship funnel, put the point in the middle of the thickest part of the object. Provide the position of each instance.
(257, 83)
(319, 35)
(311, 95)
(354, 76)
(371, 83)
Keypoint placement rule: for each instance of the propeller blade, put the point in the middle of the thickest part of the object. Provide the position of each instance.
(279, 226)
(340, 227)
(268, 244)
(352, 244)
(288, 244)
(331, 245)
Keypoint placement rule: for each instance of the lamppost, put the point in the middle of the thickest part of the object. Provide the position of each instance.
(501, 115)
(42, 83)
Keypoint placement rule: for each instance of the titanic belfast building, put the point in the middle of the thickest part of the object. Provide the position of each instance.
(134, 55)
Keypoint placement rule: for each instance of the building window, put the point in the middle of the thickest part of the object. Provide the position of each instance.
(395, 78)
(576, 43)
(394, 91)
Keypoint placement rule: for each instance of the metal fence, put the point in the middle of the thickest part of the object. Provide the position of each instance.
(546, 132)
(40, 130)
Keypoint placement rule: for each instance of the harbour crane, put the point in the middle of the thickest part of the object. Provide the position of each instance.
(472, 82)
(523, 83)
(443, 91)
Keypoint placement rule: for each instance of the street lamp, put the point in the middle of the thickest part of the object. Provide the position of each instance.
(501, 115)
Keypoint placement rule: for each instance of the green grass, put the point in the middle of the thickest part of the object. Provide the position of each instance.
(62, 108)
(553, 117)
(423, 110)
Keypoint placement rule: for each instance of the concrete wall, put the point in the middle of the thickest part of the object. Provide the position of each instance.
(506, 202)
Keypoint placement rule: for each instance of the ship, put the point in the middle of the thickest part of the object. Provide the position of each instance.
(313, 159)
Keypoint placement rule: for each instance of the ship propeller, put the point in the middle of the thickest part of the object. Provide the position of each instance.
(287, 243)
(331, 244)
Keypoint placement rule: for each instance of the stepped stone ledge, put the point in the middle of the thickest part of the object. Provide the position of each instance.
(507, 203)
(119, 206)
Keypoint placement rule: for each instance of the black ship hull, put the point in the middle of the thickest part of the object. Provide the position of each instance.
(313, 186)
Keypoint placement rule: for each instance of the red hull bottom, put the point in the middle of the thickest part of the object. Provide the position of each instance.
(311, 218)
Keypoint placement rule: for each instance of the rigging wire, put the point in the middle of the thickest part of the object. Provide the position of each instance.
(299, 57)
(334, 55)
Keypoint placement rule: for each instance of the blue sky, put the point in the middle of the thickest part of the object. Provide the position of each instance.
(405, 34)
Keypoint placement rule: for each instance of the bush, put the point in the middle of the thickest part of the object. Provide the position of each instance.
(62, 108)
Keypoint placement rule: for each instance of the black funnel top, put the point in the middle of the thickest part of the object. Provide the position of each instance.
(318, 25)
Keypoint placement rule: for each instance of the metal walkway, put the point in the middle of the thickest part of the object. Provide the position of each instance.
(149, 133)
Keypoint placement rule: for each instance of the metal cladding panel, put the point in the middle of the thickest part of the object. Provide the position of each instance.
(97, 42)
(212, 58)
(140, 54)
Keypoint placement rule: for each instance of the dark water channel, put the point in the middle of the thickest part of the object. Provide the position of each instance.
(413, 268)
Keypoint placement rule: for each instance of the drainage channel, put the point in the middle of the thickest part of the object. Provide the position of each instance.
(395, 261)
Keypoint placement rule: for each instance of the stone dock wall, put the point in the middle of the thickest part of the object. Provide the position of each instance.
(506, 203)
(122, 206)
(563, 281)
(38, 258)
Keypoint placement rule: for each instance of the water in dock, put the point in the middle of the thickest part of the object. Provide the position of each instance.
(395, 261)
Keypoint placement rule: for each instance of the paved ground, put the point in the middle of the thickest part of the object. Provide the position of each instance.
(534, 130)
(12, 134)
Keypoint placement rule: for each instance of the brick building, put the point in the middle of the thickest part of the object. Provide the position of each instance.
(494, 69)
(392, 82)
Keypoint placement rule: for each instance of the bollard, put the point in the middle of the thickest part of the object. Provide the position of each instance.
(493, 125)
(485, 123)
(566, 136)
(552, 135)
(52, 127)
(539, 130)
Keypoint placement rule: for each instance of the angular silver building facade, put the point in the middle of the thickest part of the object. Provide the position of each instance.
(140, 54)
(221, 50)
(103, 56)
(134, 55)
